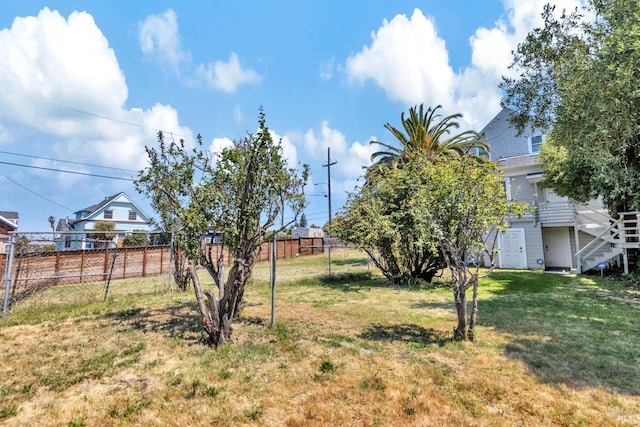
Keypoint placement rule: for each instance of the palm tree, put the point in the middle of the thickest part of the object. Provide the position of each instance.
(425, 132)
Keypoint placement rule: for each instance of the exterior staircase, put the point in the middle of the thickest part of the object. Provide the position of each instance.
(611, 237)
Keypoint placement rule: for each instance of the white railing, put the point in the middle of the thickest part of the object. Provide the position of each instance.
(631, 229)
(621, 233)
(608, 236)
(554, 212)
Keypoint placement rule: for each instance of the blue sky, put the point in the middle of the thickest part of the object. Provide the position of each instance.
(92, 83)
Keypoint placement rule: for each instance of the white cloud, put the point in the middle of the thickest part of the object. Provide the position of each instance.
(48, 61)
(289, 150)
(316, 145)
(159, 36)
(326, 69)
(227, 76)
(350, 157)
(359, 156)
(525, 15)
(59, 77)
(219, 144)
(409, 61)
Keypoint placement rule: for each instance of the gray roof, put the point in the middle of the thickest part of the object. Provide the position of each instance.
(10, 215)
(10, 225)
(91, 209)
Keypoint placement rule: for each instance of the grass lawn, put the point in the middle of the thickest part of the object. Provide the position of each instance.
(346, 350)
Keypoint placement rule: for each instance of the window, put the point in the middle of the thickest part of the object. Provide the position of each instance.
(133, 216)
(108, 214)
(507, 187)
(536, 140)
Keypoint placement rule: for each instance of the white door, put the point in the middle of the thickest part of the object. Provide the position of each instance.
(557, 247)
(513, 252)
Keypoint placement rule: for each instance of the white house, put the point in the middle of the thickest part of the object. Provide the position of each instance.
(559, 234)
(307, 232)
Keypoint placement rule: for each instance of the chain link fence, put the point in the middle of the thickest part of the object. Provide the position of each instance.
(43, 269)
(48, 268)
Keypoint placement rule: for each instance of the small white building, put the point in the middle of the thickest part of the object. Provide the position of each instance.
(307, 232)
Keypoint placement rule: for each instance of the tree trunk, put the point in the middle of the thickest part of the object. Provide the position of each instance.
(460, 297)
(208, 312)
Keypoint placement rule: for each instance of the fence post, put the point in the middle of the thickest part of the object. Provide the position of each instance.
(7, 283)
(171, 255)
(144, 262)
(81, 265)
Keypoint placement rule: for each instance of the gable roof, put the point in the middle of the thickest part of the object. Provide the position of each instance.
(10, 215)
(501, 117)
(90, 210)
(7, 223)
(93, 208)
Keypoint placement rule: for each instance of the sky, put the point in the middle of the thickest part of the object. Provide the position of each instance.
(86, 86)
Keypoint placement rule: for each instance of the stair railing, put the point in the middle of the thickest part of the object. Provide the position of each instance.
(613, 232)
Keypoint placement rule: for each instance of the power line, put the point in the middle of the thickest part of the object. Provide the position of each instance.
(67, 171)
(100, 116)
(66, 161)
(37, 194)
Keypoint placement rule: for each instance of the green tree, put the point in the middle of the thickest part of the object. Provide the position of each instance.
(383, 220)
(453, 206)
(465, 208)
(136, 238)
(103, 233)
(401, 252)
(240, 194)
(429, 133)
(578, 78)
(303, 221)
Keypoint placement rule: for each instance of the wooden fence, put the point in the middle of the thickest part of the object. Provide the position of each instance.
(44, 269)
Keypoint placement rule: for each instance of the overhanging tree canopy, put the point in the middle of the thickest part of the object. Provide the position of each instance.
(579, 78)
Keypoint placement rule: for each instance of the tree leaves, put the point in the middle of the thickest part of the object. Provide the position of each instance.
(579, 80)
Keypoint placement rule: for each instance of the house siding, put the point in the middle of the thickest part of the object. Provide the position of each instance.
(521, 188)
(554, 214)
(533, 241)
(78, 232)
(504, 140)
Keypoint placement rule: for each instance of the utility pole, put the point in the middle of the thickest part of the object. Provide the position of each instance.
(328, 166)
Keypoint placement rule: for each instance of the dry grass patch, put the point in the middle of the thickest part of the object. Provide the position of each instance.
(346, 350)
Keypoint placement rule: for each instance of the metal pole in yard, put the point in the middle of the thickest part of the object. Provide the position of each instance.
(7, 283)
(274, 256)
(170, 260)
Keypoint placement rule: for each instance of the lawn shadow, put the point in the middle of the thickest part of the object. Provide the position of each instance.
(352, 282)
(176, 321)
(354, 262)
(565, 331)
(407, 333)
(435, 305)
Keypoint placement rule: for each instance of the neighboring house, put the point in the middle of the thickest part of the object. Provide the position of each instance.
(8, 223)
(559, 234)
(307, 232)
(119, 209)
